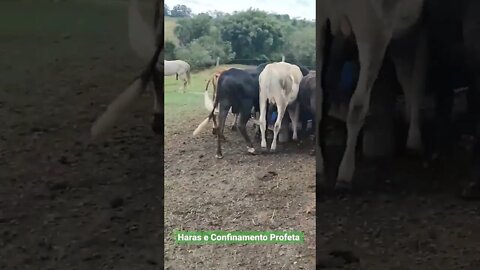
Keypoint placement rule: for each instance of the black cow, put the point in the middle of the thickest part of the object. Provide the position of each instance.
(306, 98)
(237, 89)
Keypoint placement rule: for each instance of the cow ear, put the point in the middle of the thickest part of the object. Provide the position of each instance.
(140, 34)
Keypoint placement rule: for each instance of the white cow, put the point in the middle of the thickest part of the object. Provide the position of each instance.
(376, 25)
(180, 69)
(279, 84)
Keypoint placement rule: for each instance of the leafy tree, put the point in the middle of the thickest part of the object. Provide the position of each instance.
(217, 48)
(217, 14)
(166, 10)
(195, 54)
(188, 30)
(300, 46)
(252, 33)
(181, 11)
(169, 50)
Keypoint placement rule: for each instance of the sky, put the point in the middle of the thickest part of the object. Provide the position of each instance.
(304, 9)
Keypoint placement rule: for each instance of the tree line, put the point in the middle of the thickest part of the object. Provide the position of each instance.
(245, 37)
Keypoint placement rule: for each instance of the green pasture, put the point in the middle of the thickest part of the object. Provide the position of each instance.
(191, 102)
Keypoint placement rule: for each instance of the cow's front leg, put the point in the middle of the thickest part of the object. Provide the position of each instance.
(371, 53)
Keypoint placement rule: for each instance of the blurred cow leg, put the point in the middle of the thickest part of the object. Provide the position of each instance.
(378, 135)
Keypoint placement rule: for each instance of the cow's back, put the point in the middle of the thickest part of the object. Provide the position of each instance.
(236, 86)
(278, 77)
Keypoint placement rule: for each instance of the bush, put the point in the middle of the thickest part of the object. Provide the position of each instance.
(195, 54)
(169, 50)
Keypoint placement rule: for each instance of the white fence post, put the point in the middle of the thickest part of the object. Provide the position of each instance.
(218, 61)
(283, 58)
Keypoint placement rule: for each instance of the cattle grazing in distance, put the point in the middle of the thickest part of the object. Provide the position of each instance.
(279, 83)
(180, 69)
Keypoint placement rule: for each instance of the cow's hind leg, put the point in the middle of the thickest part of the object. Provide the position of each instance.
(294, 112)
(244, 115)
(262, 121)
(185, 83)
(410, 69)
(222, 116)
(235, 122)
(371, 53)
(281, 108)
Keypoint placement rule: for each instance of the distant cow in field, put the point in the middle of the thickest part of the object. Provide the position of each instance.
(279, 85)
(238, 90)
(180, 69)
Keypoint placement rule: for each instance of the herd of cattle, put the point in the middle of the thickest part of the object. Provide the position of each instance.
(433, 45)
(244, 91)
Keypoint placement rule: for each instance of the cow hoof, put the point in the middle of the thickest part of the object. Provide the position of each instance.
(251, 150)
(273, 150)
(312, 152)
(343, 187)
(214, 131)
(471, 191)
(234, 128)
(219, 156)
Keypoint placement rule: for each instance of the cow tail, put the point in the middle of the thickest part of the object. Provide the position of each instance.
(208, 83)
(210, 116)
(206, 100)
(125, 99)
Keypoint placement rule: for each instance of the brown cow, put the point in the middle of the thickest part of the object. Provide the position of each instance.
(209, 102)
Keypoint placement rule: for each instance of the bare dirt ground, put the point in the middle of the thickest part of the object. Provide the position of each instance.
(67, 203)
(238, 193)
(415, 220)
